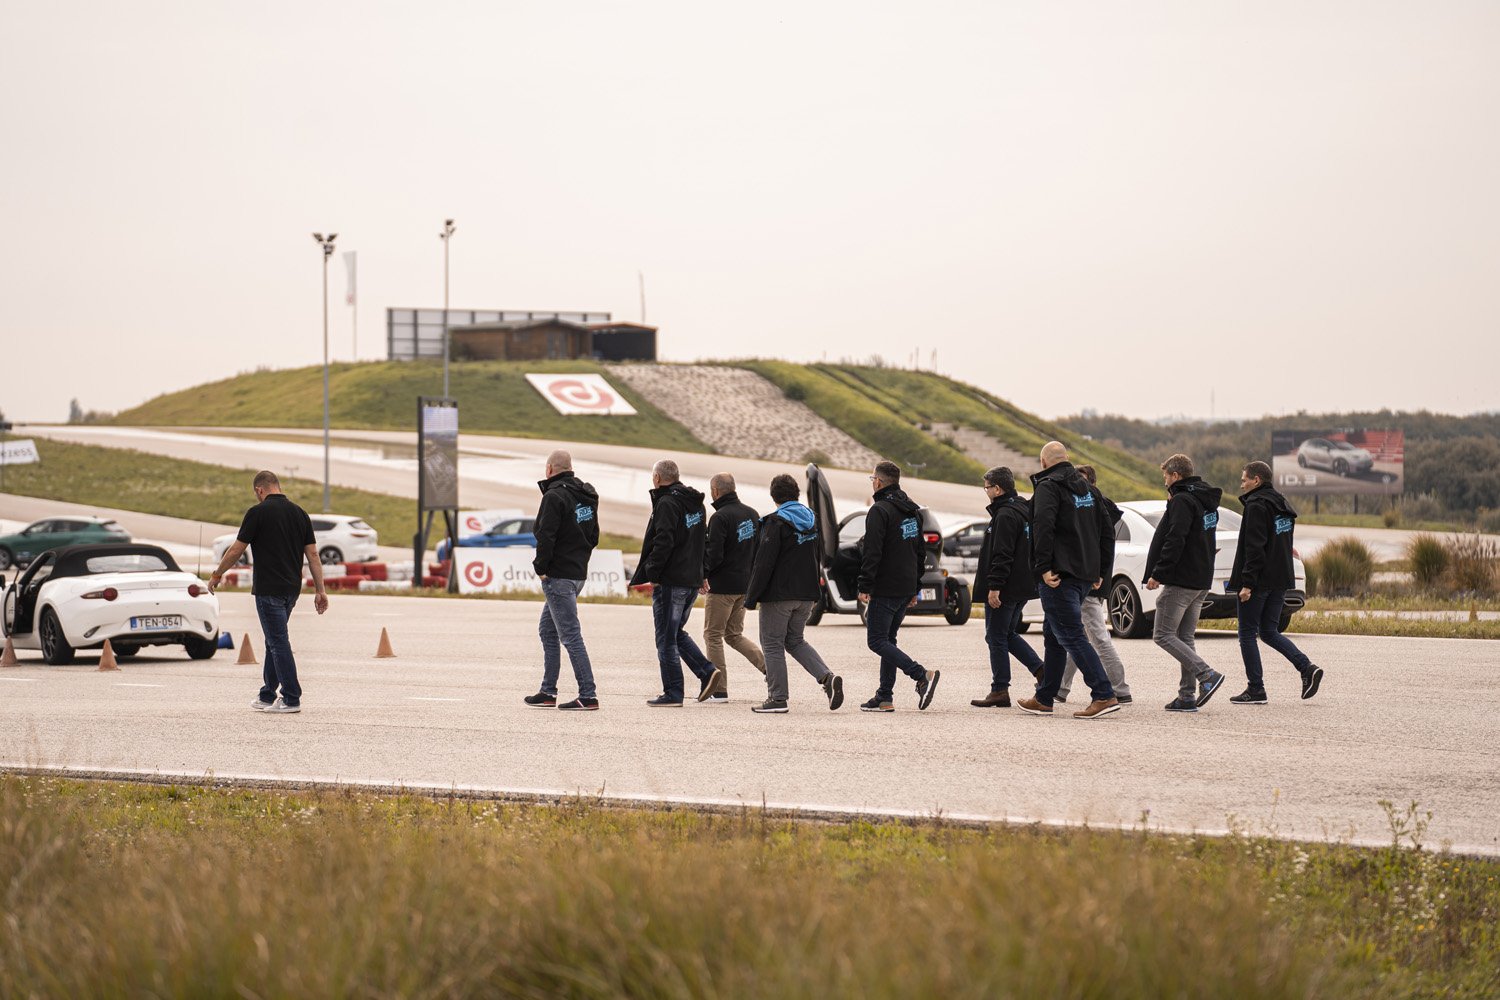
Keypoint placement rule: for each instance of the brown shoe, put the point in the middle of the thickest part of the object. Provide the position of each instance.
(995, 699)
(1033, 707)
(1098, 708)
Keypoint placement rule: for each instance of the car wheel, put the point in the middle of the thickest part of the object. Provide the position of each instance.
(957, 606)
(330, 556)
(1285, 622)
(6, 559)
(816, 615)
(125, 652)
(1125, 617)
(55, 648)
(1340, 467)
(201, 649)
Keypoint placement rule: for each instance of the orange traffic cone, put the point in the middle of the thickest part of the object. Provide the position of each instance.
(384, 649)
(107, 658)
(247, 652)
(8, 658)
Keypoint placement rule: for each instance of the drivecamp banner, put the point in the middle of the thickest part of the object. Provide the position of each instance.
(577, 395)
(493, 571)
(477, 522)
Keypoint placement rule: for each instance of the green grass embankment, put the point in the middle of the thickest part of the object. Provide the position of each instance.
(187, 891)
(494, 397)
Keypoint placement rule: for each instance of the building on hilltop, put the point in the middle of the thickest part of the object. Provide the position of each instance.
(511, 335)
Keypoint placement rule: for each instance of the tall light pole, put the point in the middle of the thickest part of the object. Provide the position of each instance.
(448, 229)
(327, 245)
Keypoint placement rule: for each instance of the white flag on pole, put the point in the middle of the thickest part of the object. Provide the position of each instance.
(350, 264)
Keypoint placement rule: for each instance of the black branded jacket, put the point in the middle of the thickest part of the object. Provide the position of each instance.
(1005, 556)
(672, 549)
(893, 547)
(567, 527)
(1263, 560)
(1185, 543)
(731, 545)
(1071, 534)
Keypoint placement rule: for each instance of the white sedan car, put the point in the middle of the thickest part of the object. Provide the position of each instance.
(1132, 607)
(340, 538)
(133, 595)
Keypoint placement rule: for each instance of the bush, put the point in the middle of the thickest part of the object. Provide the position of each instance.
(1391, 516)
(817, 457)
(1487, 521)
(1342, 567)
(1429, 560)
(795, 391)
(1472, 561)
(1418, 507)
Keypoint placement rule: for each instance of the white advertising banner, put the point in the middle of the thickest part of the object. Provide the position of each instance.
(574, 395)
(493, 571)
(18, 452)
(477, 522)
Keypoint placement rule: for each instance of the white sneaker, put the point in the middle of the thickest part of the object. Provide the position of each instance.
(260, 706)
(280, 707)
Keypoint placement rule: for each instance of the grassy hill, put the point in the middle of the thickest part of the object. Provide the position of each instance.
(495, 397)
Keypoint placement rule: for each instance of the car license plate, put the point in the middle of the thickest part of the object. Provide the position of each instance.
(156, 623)
(929, 594)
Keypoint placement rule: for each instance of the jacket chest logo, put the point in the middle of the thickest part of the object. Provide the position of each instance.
(909, 529)
(1080, 502)
(1283, 525)
(582, 513)
(694, 519)
(746, 530)
(803, 537)
(1210, 520)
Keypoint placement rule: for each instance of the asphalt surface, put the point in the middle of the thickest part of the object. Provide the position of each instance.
(1397, 719)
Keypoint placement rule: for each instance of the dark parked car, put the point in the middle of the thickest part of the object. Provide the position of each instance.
(511, 531)
(56, 533)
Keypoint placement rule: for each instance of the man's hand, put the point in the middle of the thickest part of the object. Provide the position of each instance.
(703, 589)
(1244, 594)
(993, 600)
(864, 598)
(1152, 584)
(911, 603)
(542, 577)
(214, 581)
(1099, 583)
(1052, 579)
(641, 587)
(320, 602)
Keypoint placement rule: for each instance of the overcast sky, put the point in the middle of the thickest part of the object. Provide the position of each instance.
(1134, 208)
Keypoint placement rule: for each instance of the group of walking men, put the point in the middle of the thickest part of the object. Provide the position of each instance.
(1057, 547)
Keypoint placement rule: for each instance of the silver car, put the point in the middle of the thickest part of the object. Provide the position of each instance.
(1339, 457)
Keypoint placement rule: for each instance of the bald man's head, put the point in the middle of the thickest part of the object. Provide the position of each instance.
(559, 461)
(1052, 453)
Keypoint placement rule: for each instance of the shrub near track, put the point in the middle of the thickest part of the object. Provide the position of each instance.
(130, 890)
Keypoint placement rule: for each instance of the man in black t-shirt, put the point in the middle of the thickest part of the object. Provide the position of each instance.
(279, 535)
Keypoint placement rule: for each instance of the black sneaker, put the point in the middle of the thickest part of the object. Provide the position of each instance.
(580, 705)
(662, 701)
(833, 686)
(1207, 688)
(709, 683)
(770, 707)
(541, 700)
(1182, 705)
(1061, 699)
(1250, 696)
(718, 698)
(926, 688)
(1311, 680)
(1124, 699)
(876, 705)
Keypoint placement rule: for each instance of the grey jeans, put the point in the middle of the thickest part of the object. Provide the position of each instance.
(1176, 620)
(1096, 626)
(781, 625)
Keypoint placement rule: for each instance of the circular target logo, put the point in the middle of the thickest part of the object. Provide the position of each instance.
(583, 395)
(474, 524)
(478, 574)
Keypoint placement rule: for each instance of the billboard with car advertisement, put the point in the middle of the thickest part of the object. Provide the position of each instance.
(437, 454)
(1342, 462)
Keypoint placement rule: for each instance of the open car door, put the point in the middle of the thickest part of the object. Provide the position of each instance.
(820, 501)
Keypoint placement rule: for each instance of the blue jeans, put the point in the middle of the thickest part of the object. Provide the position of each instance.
(883, 619)
(1000, 634)
(1063, 634)
(558, 628)
(670, 608)
(281, 666)
(1260, 618)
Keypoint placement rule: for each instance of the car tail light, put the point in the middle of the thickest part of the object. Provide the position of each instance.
(107, 594)
(932, 538)
(360, 534)
(194, 590)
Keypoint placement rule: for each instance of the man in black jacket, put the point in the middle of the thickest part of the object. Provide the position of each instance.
(1070, 539)
(672, 561)
(1181, 563)
(890, 578)
(1003, 584)
(1096, 608)
(726, 575)
(784, 586)
(1262, 574)
(566, 529)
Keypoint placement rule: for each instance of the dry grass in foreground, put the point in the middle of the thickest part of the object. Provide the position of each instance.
(133, 890)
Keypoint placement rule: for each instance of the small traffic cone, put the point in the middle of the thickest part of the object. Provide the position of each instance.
(107, 658)
(247, 652)
(8, 658)
(384, 650)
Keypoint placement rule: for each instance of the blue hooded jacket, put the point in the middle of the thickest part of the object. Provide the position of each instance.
(788, 559)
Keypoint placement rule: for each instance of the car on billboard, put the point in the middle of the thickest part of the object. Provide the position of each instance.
(1132, 608)
(1339, 457)
(341, 539)
(509, 532)
(50, 533)
(130, 594)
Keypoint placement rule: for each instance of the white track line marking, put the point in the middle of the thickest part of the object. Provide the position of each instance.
(20, 680)
(126, 684)
(413, 697)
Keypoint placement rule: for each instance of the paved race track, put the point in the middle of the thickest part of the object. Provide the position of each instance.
(1398, 719)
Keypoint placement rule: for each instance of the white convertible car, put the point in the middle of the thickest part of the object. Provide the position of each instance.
(133, 595)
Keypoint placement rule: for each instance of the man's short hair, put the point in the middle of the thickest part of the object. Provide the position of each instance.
(1178, 465)
(265, 478)
(560, 461)
(1002, 477)
(888, 472)
(1087, 471)
(666, 469)
(784, 488)
(722, 483)
(1258, 470)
